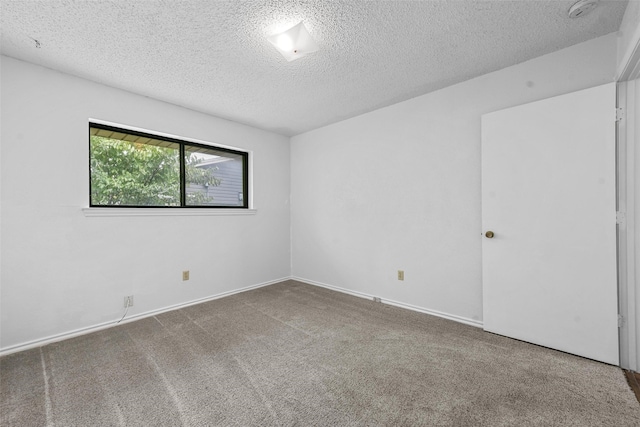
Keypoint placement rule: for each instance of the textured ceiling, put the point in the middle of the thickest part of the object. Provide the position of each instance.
(214, 57)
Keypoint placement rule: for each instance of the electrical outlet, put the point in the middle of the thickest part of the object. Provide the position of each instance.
(128, 301)
(185, 275)
(400, 274)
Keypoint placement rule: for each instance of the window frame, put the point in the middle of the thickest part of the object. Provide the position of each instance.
(247, 197)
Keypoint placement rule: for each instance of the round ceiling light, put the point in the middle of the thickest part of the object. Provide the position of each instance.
(582, 7)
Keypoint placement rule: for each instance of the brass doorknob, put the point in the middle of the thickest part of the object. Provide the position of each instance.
(489, 234)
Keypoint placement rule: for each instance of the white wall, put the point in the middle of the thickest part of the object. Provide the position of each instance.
(62, 271)
(399, 188)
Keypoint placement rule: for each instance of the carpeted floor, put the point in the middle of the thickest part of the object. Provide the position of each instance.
(293, 354)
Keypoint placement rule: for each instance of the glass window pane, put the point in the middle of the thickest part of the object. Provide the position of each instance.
(213, 177)
(130, 170)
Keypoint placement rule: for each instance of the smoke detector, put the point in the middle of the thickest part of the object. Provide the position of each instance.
(582, 8)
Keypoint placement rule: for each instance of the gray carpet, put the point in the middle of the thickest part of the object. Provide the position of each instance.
(291, 354)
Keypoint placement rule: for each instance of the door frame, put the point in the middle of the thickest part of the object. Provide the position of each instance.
(625, 206)
(627, 168)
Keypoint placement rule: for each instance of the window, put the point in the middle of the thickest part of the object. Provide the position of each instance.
(135, 169)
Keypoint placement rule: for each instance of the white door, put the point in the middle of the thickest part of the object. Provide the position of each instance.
(548, 195)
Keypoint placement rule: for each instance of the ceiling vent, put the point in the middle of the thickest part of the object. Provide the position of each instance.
(582, 7)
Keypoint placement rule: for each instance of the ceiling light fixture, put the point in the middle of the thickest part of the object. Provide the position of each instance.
(582, 7)
(294, 43)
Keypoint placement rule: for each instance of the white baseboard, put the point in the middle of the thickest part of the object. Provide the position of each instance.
(101, 326)
(455, 318)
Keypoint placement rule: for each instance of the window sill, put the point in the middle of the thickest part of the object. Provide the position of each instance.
(91, 212)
